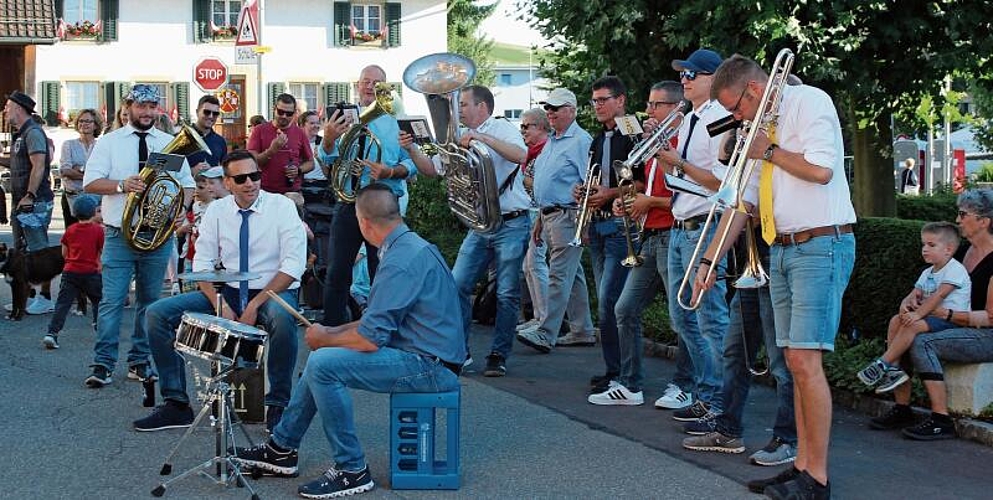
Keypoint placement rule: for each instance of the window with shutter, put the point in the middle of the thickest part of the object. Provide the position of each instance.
(201, 21)
(342, 24)
(393, 12)
(181, 92)
(109, 12)
(50, 101)
(273, 89)
(113, 99)
(336, 92)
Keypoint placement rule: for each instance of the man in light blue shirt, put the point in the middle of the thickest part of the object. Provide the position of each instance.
(410, 339)
(561, 165)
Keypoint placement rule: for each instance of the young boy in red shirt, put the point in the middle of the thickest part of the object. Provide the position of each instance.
(82, 245)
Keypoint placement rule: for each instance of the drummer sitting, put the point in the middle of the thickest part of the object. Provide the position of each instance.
(275, 256)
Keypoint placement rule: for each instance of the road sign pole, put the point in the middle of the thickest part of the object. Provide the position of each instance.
(258, 60)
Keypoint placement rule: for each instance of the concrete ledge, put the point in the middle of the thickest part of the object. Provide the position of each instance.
(970, 387)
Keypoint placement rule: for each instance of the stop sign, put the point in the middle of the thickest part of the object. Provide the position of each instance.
(210, 74)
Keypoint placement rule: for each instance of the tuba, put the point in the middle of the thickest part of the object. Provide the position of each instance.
(354, 144)
(149, 217)
(473, 194)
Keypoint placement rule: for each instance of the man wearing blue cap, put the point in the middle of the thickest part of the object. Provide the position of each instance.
(112, 171)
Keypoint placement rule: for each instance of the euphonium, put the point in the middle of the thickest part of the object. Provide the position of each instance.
(149, 217)
(346, 171)
(473, 194)
(585, 213)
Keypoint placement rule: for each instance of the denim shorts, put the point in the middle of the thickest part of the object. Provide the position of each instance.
(808, 281)
(35, 224)
(938, 324)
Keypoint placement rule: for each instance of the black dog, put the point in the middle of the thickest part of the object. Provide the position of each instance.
(25, 269)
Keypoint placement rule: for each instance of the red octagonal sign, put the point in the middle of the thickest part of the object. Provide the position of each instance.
(210, 74)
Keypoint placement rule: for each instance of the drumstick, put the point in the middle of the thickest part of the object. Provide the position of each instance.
(296, 314)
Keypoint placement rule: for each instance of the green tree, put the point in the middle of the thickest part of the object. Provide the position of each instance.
(464, 18)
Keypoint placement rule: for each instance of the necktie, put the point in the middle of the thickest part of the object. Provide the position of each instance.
(243, 257)
(686, 146)
(765, 195)
(605, 163)
(142, 148)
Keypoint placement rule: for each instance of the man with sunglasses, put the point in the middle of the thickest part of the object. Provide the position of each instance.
(208, 110)
(276, 251)
(283, 150)
(562, 164)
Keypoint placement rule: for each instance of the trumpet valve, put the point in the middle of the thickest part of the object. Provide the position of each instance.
(632, 261)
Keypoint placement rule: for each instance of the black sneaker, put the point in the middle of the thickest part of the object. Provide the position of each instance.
(51, 341)
(600, 383)
(898, 417)
(141, 373)
(337, 483)
(495, 365)
(691, 413)
(759, 485)
(273, 414)
(171, 415)
(266, 458)
(99, 378)
(932, 429)
(702, 426)
(802, 487)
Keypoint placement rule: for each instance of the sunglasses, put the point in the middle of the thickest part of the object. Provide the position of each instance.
(281, 112)
(208, 112)
(549, 107)
(691, 75)
(600, 101)
(963, 213)
(241, 178)
(526, 126)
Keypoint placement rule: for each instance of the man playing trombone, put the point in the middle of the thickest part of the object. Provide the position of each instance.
(807, 217)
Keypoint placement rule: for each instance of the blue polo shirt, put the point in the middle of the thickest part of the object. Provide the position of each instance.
(561, 165)
(218, 151)
(387, 131)
(414, 304)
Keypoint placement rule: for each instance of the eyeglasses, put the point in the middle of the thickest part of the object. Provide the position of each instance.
(85, 120)
(241, 178)
(282, 112)
(553, 109)
(526, 126)
(658, 104)
(691, 75)
(600, 101)
(208, 112)
(963, 213)
(737, 103)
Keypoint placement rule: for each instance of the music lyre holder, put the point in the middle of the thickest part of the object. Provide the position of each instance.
(218, 405)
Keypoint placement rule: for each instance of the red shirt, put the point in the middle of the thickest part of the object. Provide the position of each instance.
(83, 242)
(295, 151)
(658, 218)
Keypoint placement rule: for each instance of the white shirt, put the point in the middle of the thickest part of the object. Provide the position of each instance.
(115, 157)
(702, 153)
(276, 238)
(954, 274)
(808, 124)
(514, 197)
(317, 174)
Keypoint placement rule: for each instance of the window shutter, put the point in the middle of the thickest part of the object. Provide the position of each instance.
(398, 88)
(335, 92)
(50, 102)
(60, 9)
(181, 92)
(109, 12)
(273, 90)
(113, 97)
(342, 24)
(393, 24)
(201, 21)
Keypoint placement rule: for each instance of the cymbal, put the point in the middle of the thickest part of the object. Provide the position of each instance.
(219, 276)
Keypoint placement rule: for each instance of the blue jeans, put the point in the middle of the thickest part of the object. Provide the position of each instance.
(506, 247)
(120, 264)
(958, 345)
(164, 316)
(536, 274)
(608, 248)
(752, 317)
(701, 331)
(324, 389)
(643, 284)
(32, 226)
(567, 290)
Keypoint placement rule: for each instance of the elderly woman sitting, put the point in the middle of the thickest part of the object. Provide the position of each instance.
(972, 343)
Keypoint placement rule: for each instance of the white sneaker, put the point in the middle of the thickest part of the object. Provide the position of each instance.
(531, 323)
(41, 305)
(673, 398)
(10, 307)
(617, 395)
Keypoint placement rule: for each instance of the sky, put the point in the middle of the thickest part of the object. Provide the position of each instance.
(503, 27)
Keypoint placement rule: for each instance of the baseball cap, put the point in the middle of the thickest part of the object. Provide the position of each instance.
(143, 93)
(560, 97)
(213, 173)
(701, 60)
(85, 206)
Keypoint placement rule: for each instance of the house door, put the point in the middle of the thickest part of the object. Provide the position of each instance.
(233, 122)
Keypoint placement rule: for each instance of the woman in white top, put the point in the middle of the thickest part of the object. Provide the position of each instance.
(72, 161)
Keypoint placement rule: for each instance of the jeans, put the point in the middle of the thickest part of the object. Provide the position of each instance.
(752, 319)
(958, 345)
(506, 246)
(536, 274)
(32, 226)
(324, 389)
(566, 280)
(345, 242)
(72, 285)
(164, 316)
(702, 331)
(608, 248)
(643, 284)
(120, 264)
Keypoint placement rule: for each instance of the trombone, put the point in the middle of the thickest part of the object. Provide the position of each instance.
(730, 193)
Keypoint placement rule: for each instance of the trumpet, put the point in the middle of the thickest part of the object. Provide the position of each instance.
(585, 210)
(626, 194)
(740, 168)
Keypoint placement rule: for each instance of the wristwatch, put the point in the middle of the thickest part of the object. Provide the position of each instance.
(767, 156)
(120, 186)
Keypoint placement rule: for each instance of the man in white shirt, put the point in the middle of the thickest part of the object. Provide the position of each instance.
(112, 171)
(276, 251)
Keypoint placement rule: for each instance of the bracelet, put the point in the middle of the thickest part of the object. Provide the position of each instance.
(949, 316)
(708, 262)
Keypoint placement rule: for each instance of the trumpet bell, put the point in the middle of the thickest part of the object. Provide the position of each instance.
(750, 281)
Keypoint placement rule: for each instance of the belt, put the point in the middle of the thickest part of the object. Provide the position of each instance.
(513, 215)
(691, 224)
(648, 233)
(600, 215)
(554, 208)
(800, 237)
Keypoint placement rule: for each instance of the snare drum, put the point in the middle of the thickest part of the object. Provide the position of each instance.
(212, 338)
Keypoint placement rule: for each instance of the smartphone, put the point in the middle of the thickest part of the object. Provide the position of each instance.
(349, 111)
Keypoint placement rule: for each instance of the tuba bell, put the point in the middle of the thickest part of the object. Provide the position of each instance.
(355, 144)
(473, 194)
(149, 217)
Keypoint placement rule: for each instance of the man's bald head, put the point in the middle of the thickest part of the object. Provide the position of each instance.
(378, 204)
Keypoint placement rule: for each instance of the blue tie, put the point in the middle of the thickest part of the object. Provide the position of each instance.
(243, 258)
